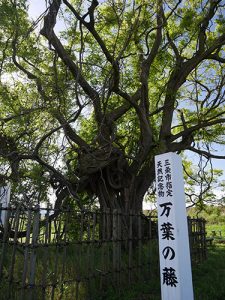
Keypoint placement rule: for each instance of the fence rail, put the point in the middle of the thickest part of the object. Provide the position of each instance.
(197, 239)
(65, 254)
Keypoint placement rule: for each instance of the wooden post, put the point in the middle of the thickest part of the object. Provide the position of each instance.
(66, 217)
(139, 246)
(108, 240)
(80, 254)
(46, 252)
(5, 239)
(175, 264)
(119, 238)
(56, 240)
(35, 235)
(130, 263)
(26, 249)
(150, 243)
(16, 228)
(205, 246)
(4, 202)
(115, 237)
(189, 222)
(102, 235)
(88, 253)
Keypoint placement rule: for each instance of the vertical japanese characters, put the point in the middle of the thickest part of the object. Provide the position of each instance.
(166, 228)
(174, 250)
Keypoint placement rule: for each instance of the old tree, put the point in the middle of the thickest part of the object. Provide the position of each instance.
(91, 91)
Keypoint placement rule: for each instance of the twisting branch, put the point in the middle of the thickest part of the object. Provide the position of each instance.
(48, 32)
(205, 153)
(4, 53)
(205, 23)
(91, 28)
(22, 113)
(30, 75)
(161, 25)
(69, 132)
(183, 69)
(216, 57)
(177, 78)
(157, 42)
(200, 125)
(142, 111)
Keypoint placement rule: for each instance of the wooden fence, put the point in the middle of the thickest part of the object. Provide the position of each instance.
(197, 239)
(64, 254)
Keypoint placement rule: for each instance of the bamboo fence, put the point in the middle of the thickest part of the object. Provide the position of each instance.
(66, 254)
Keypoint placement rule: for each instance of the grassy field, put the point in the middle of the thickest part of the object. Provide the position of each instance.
(209, 277)
(217, 228)
(208, 280)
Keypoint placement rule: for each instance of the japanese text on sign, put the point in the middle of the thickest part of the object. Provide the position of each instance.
(175, 263)
(165, 190)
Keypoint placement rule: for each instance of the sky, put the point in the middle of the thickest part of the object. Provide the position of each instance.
(36, 7)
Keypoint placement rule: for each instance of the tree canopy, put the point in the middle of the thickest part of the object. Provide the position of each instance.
(91, 91)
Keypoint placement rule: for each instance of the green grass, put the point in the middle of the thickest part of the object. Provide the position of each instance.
(217, 228)
(209, 277)
(208, 280)
(80, 261)
(148, 290)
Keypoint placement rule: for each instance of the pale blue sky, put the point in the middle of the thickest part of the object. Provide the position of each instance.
(36, 7)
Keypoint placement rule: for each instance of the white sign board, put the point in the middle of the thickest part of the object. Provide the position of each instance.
(4, 202)
(174, 251)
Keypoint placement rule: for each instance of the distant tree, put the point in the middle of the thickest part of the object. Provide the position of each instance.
(91, 91)
(203, 185)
